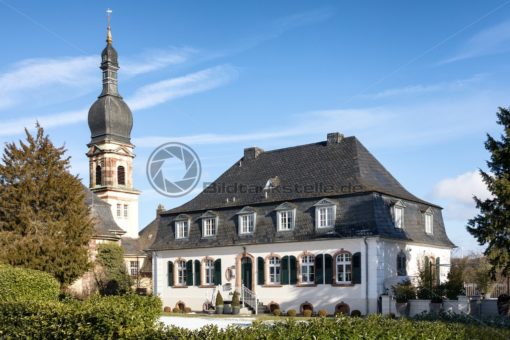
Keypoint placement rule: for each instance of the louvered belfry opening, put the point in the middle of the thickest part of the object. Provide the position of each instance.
(121, 175)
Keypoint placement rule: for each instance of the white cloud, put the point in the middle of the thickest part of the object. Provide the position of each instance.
(492, 40)
(17, 126)
(45, 75)
(329, 119)
(458, 192)
(52, 80)
(413, 90)
(155, 60)
(170, 89)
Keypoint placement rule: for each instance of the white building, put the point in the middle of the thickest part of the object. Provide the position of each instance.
(319, 226)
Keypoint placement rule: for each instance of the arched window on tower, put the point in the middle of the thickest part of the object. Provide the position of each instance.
(121, 175)
(99, 175)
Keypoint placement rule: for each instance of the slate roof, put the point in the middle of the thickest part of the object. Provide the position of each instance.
(326, 170)
(345, 173)
(101, 213)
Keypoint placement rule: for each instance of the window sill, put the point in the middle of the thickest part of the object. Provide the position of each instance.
(342, 284)
(272, 285)
(179, 286)
(206, 286)
(306, 285)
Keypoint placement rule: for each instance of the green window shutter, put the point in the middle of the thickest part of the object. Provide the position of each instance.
(197, 273)
(189, 273)
(318, 269)
(293, 270)
(356, 268)
(284, 266)
(217, 272)
(328, 275)
(260, 270)
(438, 271)
(170, 273)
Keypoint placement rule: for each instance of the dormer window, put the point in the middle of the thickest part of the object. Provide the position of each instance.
(246, 223)
(286, 220)
(182, 225)
(325, 214)
(246, 218)
(209, 224)
(429, 222)
(181, 229)
(398, 214)
(285, 216)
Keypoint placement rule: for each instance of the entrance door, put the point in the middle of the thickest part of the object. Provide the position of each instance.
(246, 277)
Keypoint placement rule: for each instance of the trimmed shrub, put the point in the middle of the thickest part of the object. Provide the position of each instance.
(112, 317)
(235, 299)
(277, 312)
(291, 312)
(307, 313)
(356, 313)
(187, 310)
(167, 309)
(219, 299)
(20, 284)
(323, 313)
(176, 310)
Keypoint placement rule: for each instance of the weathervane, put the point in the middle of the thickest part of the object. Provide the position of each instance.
(109, 34)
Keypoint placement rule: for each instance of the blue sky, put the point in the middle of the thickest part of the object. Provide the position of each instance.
(417, 83)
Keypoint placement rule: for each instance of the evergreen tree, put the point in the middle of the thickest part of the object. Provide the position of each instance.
(111, 273)
(44, 221)
(492, 225)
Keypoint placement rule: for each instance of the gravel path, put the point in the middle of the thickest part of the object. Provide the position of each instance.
(199, 322)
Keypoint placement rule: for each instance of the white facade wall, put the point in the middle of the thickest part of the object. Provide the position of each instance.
(415, 253)
(322, 296)
(381, 269)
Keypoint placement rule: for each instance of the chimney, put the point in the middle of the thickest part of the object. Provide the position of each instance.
(334, 138)
(252, 153)
(160, 209)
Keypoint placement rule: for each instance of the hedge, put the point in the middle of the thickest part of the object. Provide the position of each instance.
(112, 317)
(344, 327)
(135, 317)
(19, 284)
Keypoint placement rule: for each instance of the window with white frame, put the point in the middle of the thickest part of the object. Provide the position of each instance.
(125, 210)
(181, 273)
(308, 269)
(398, 216)
(209, 272)
(343, 268)
(326, 217)
(182, 229)
(209, 226)
(429, 225)
(133, 268)
(246, 223)
(286, 220)
(274, 270)
(119, 212)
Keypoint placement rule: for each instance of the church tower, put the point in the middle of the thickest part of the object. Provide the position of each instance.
(110, 151)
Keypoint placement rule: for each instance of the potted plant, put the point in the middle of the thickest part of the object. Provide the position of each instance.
(227, 307)
(219, 303)
(236, 305)
(403, 292)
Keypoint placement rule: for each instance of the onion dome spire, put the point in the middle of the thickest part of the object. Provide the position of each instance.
(110, 119)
